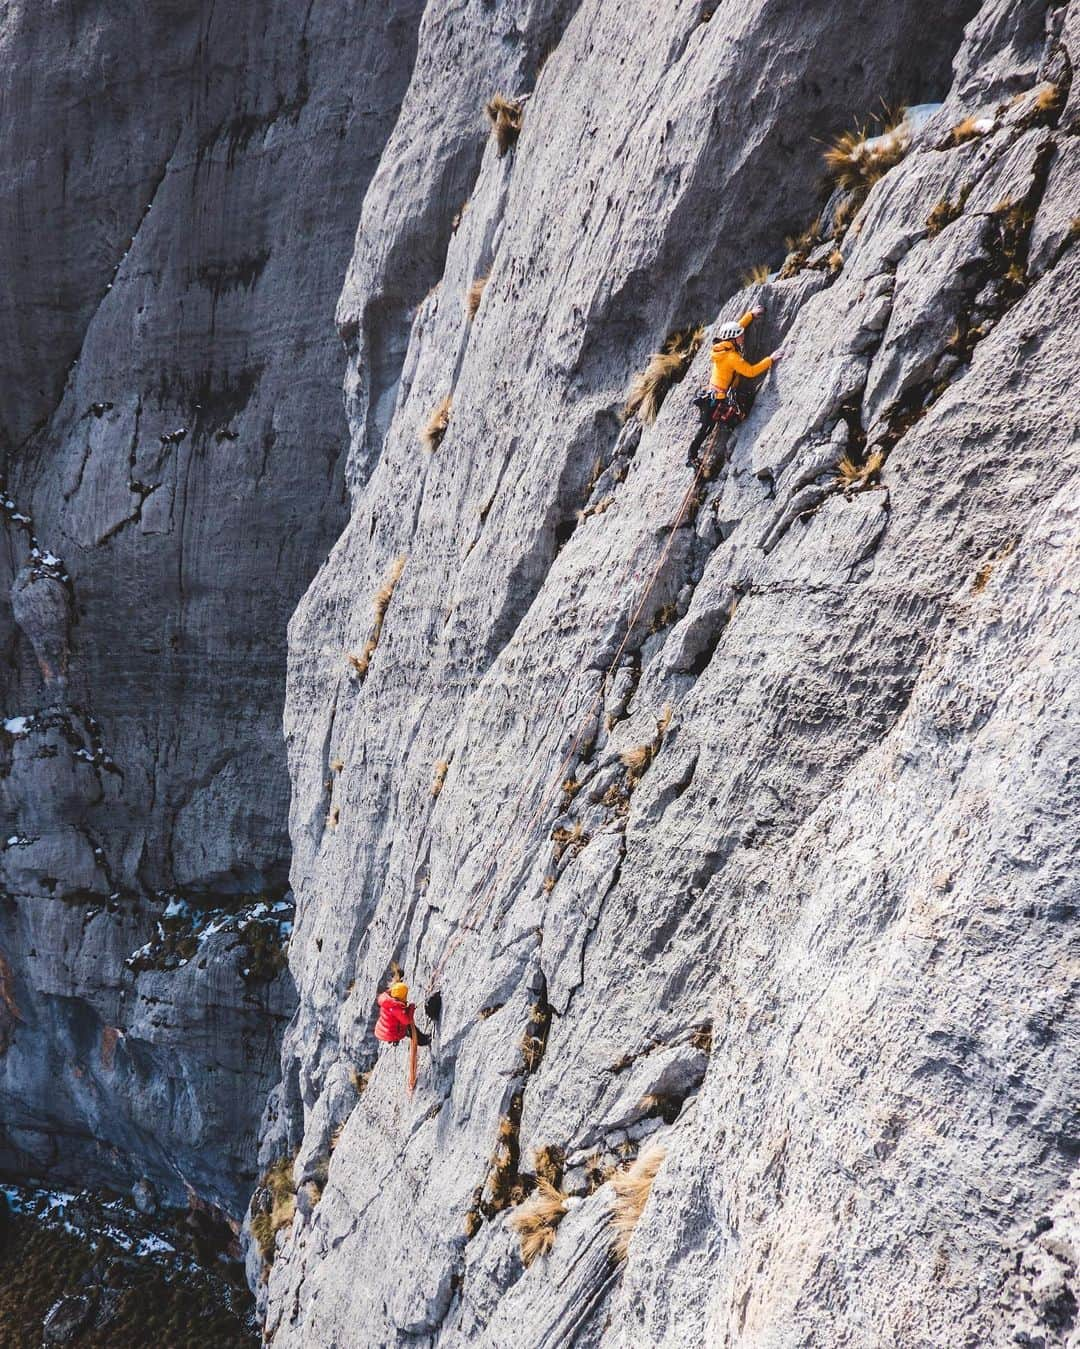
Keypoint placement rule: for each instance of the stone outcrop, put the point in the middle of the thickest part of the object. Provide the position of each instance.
(787, 890)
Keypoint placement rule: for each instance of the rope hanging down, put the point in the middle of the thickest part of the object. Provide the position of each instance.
(483, 896)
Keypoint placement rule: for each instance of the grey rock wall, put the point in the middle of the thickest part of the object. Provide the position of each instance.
(821, 950)
(181, 185)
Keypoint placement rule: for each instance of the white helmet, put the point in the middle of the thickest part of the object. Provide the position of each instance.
(728, 332)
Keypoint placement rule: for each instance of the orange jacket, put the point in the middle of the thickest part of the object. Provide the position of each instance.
(728, 364)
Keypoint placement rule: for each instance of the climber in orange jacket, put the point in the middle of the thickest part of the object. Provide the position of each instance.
(720, 403)
(396, 1018)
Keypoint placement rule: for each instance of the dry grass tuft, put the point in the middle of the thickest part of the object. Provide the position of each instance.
(548, 884)
(385, 592)
(702, 1037)
(857, 159)
(537, 1220)
(844, 214)
(757, 276)
(474, 295)
(968, 129)
(548, 1163)
(799, 247)
(359, 1080)
(337, 765)
(598, 509)
(506, 116)
(665, 369)
(854, 475)
(473, 1222)
(441, 769)
(637, 760)
(431, 437)
(1049, 98)
(835, 262)
(632, 1188)
(281, 1206)
(945, 212)
(333, 819)
(569, 840)
(381, 603)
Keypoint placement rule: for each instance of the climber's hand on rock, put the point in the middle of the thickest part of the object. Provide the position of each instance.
(778, 355)
(757, 310)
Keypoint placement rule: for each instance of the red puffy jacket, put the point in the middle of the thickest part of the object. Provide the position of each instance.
(395, 1018)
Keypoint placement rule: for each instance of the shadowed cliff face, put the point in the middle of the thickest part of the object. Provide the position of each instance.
(770, 891)
(182, 184)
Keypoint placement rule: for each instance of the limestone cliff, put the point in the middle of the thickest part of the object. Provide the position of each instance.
(791, 890)
(734, 817)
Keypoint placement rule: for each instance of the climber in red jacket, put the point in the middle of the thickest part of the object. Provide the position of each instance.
(396, 1018)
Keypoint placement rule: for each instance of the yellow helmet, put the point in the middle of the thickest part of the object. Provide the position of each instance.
(399, 990)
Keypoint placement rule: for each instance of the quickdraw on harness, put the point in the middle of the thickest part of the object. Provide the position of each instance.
(720, 409)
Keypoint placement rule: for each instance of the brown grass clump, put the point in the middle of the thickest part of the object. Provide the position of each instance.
(572, 840)
(360, 663)
(265, 1225)
(537, 1220)
(966, 130)
(441, 769)
(598, 509)
(637, 760)
(844, 214)
(945, 212)
(548, 1163)
(702, 1037)
(665, 369)
(337, 765)
(854, 475)
(474, 295)
(359, 1080)
(506, 116)
(757, 276)
(431, 437)
(632, 1187)
(857, 159)
(799, 248)
(548, 884)
(1045, 106)
(381, 603)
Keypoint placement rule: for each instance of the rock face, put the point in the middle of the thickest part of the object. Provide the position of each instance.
(181, 190)
(733, 816)
(754, 838)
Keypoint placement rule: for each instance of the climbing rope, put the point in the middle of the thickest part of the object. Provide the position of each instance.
(483, 896)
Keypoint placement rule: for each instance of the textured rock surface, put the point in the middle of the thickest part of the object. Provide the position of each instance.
(820, 945)
(823, 949)
(181, 187)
